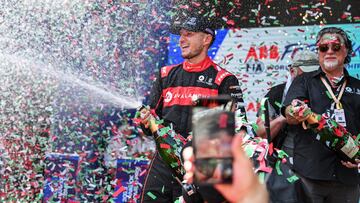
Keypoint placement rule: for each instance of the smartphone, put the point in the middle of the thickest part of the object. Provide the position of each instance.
(213, 125)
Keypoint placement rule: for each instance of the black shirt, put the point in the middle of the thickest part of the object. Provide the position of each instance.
(313, 159)
(275, 96)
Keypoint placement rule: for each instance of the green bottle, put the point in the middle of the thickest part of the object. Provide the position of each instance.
(332, 134)
(168, 143)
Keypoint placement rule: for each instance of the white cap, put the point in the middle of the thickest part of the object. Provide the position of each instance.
(306, 60)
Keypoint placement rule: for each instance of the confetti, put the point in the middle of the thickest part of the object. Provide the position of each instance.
(292, 178)
(66, 79)
(120, 190)
(151, 195)
(69, 68)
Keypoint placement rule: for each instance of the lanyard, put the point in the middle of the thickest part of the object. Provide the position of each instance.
(336, 100)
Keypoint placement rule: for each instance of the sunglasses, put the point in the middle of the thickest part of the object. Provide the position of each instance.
(325, 47)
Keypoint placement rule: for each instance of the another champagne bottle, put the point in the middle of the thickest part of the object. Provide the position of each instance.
(332, 134)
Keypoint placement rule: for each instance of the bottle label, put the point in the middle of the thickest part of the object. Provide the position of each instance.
(350, 148)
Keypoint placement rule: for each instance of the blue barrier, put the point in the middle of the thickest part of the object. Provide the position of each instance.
(130, 176)
(61, 178)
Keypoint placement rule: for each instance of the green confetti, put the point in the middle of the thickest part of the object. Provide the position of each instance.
(261, 176)
(159, 121)
(334, 123)
(151, 195)
(255, 126)
(335, 142)
(357, 139)
(164, 131)
(137, 114)
(278, 104)
(282, 154)
(292, 179)
(249, 150)
(277, 166)
(263, 117)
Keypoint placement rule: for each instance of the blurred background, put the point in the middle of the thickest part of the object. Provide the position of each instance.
(73, 72)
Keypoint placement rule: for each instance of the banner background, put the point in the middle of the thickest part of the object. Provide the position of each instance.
(259, 57)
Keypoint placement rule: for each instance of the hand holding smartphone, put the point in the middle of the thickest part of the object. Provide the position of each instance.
(213, 131)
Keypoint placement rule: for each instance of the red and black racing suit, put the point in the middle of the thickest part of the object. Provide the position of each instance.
(171, 97)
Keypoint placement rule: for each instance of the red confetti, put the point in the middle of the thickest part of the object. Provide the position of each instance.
(164, 146)
(338, 132)
(230, 22)
(118, 191)
(271, 148)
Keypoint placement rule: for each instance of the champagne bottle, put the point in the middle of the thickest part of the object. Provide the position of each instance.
(332, 134)
(168, 143)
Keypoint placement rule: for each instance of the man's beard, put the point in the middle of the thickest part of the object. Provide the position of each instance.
(192, 53)
(188, 55)
(331, 65)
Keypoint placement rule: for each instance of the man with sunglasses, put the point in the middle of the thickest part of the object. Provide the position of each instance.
(330, 90)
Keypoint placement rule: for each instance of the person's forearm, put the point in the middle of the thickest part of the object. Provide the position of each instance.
(275, 127)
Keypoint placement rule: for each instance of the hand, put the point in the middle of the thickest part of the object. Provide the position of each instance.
(245, 185)
(189, 166)
(297, 112)
(145, 117)
(349, 164)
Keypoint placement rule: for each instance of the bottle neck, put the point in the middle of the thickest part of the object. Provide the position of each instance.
(313, 118)
(152, 119)
(153, 126)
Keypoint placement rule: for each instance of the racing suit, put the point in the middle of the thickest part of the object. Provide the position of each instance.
(171, 98)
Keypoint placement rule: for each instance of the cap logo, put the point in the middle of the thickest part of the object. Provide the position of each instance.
(192, 21)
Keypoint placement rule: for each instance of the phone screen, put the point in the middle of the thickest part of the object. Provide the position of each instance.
(213, 132)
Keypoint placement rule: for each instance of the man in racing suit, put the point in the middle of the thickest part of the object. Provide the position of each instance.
(173, 92)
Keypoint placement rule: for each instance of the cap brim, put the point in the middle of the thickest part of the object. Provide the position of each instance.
(176, 29)
(309, 68)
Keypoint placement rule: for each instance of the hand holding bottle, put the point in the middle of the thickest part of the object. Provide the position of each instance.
(147, 119)
(328, 131)
(168, 143)
(298, 110)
